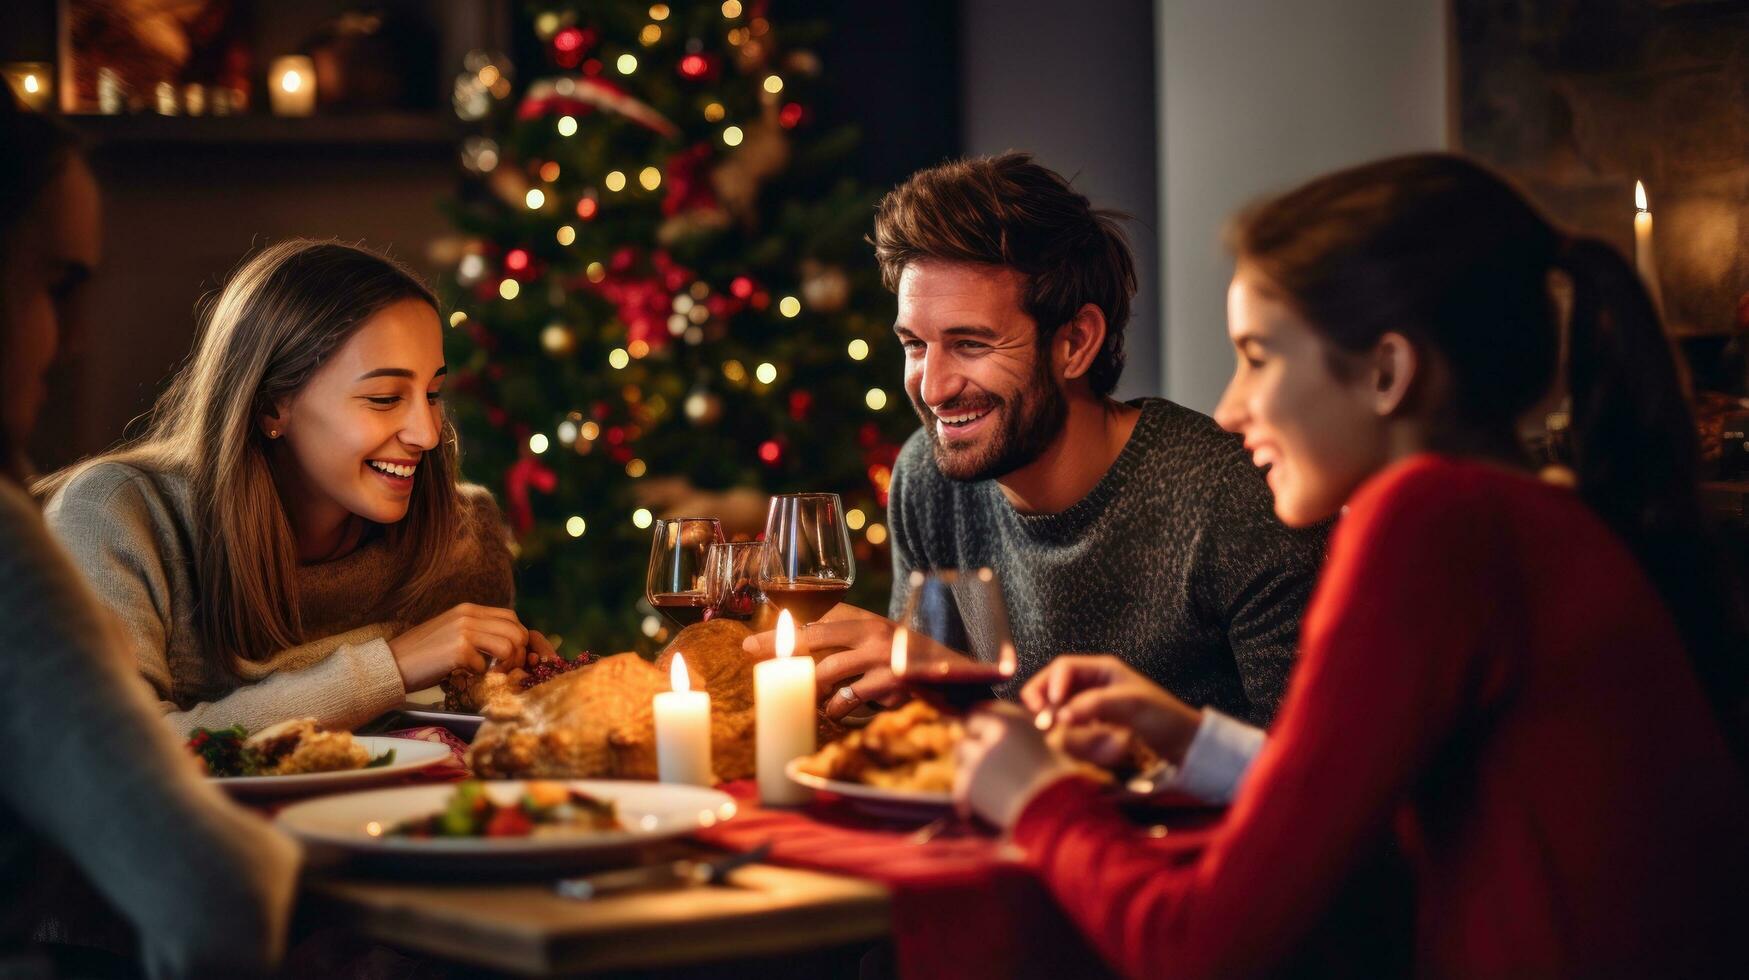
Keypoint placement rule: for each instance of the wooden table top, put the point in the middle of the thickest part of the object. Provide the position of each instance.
(525, 928)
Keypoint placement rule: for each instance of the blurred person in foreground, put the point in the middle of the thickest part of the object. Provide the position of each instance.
(91, 775)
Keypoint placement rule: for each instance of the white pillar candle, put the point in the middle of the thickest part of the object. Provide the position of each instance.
(784, 715)
(1644, 260)
(683, 731)
(291, 84)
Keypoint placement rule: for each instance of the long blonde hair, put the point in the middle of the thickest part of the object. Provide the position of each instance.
(283, 313)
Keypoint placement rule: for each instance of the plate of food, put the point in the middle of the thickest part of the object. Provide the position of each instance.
(503, 820)
(298, 756)
(900, 763)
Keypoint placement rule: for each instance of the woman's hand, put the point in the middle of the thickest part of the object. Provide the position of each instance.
(1082, 690)
(463, 638)
(1002, 763)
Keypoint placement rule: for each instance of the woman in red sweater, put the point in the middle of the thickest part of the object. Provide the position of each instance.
(1524, 686)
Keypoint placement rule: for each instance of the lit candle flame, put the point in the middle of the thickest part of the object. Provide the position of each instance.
(31, 85)
(899, 656)
(677, 674)
(786, 634)
(1640, 196)
(291, 81)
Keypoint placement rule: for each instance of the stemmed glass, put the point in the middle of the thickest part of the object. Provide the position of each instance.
(675, 584)
(954, 643)
(731, 579)
(808, 564)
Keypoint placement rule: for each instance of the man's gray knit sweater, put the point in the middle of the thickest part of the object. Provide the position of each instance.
(1174, 562)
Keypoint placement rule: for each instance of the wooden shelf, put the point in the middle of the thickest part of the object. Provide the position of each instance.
(373, 130)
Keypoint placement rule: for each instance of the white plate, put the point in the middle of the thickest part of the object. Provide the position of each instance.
(411, 755)
(875, 799)
(649, 811)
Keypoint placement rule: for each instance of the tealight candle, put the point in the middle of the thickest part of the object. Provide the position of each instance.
(291, 84)
(784, 715)
(683, 731)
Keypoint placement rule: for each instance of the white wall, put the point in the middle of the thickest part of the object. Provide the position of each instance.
(1258, 96)
(1075, 84)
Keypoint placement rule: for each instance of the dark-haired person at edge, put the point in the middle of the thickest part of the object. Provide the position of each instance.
(1532, 689)
(1133, 528)
(92, 778)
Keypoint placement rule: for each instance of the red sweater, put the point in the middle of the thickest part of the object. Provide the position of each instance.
(1486, 674)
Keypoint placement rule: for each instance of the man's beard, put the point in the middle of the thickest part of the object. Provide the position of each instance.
(1029, 423)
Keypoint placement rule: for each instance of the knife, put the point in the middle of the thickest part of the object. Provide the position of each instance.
(669, 874)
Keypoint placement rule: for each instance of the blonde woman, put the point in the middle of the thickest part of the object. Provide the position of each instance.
(288, 538)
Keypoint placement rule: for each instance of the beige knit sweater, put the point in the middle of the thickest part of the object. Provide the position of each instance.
(131, 531)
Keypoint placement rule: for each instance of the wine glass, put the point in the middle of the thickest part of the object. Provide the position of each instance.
(954, 643)
(808, 565)
(731, 579)
(675, 585)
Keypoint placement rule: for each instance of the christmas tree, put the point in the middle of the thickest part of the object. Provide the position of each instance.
(663, 302)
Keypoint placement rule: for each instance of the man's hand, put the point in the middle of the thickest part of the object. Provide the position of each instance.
(846, 643)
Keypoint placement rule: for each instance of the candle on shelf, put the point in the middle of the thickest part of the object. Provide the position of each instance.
(784, 715)
(1643, 258)
(30, 82)
(291, 83)
(683, 731)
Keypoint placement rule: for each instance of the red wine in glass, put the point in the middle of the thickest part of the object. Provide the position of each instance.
(807, 598)
(954, 645)
(682, 608)
(955, 688)
(731, 579)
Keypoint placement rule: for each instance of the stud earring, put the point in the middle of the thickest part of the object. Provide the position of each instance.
(273, 433)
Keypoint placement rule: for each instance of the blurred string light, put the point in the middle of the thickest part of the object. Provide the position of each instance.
(479, 155)
(641, 518)
(516, 260)
(649, 35)
(876, 399)
(735, 371)
(537, 443)
(618, 358)
(590, 431)
(858, 349)
(732, 136)
(471, 268)
(586, 207)
(535, 198)
(549, 171)
(576, 526)
(567, 432)
(595, 271)
(773, 84)
(789, 306)
(627, 64)
(766, 373)
(659, 12)
(636, 468)
(876, 534)
(566, 234)
(638, 349)
(714, 112)
(567, 125)
(650, 178)
(731, 8)
(456, 318)
(546, 25)
(615, 181)
(508, 289)
(855, 519)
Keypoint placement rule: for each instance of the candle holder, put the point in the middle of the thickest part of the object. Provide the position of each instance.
(32, 82)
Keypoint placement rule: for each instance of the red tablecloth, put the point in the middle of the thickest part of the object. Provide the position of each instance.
(962, 907)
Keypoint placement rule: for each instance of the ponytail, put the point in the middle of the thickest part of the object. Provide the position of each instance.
(1636, 454)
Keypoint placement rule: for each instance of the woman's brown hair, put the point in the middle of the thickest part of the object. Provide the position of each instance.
(281, 315)
(1445, 252)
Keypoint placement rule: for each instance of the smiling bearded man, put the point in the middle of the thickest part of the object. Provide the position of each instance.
(1134, 528)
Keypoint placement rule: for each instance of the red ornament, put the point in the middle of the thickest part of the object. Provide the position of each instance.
(741, 286)
(791, 115)
(616, 435)
(569, 39)
(689, 181)
(800, 404)
(592, 67)
(770, 452)
(516, 260)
